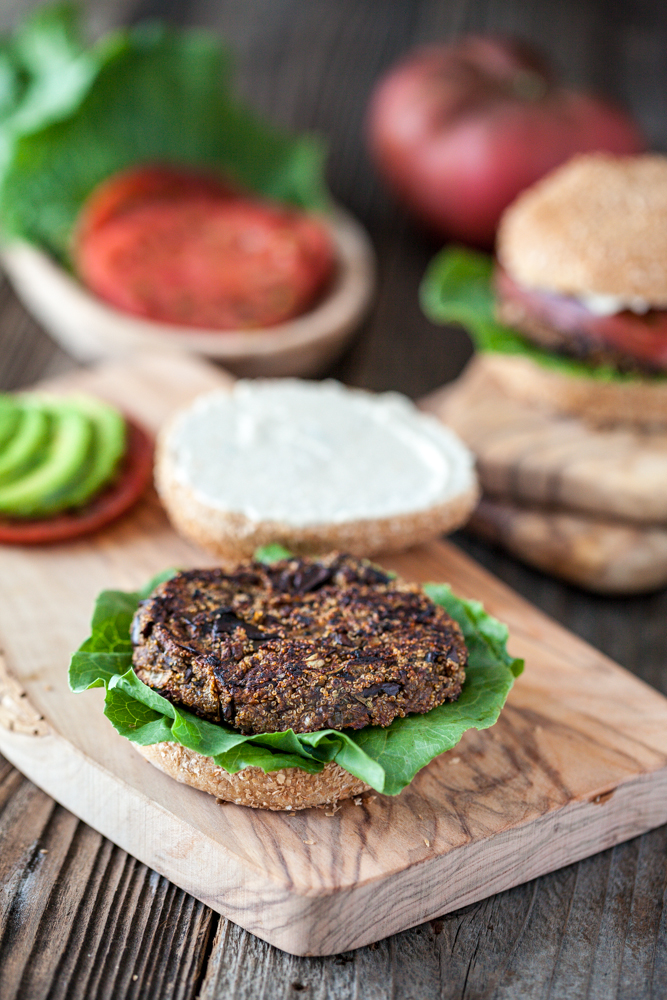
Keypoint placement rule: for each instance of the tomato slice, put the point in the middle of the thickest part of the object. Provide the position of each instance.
(137, 185)
(642, 338)
(183, 249)
(133, 477)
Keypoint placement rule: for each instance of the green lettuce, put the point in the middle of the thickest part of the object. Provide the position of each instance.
(386, 758)
(73, 114)
(457, 288)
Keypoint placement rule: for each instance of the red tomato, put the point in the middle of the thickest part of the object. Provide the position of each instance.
(459, 130)
(180, 249)
(138, 184)
(641, 337)
(132, 479)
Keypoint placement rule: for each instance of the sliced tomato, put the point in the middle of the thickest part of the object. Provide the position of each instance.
(132, 479)
(643, 338)
(137, 185)
(184, 248)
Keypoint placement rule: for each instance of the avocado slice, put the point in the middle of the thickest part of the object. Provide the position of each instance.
(71, 438)
(10, 415)
(27, 444)
(105, 452)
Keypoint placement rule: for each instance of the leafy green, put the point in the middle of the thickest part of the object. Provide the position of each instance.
(457, 288)
(71, 115)
(272, 553)
(386, 758)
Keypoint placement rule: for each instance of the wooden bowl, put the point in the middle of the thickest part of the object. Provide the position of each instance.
(89, 329)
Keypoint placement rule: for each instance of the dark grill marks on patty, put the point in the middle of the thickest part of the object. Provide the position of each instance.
(303, 644)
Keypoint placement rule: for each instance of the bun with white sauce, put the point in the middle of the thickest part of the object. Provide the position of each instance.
(313, 466)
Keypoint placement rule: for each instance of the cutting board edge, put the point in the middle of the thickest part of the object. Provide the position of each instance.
(324, 923)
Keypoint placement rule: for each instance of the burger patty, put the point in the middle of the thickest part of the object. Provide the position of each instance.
(574, 343)
(303, 644)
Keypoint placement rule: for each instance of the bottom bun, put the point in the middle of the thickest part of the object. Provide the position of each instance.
(288, 789)
(641, 402)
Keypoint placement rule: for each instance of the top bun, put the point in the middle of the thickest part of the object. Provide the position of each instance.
(595, 226)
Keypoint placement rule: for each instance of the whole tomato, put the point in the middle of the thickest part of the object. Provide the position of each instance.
(459, 130)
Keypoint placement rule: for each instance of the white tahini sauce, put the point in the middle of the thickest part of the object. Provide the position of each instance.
(305, 453)
(608, 305)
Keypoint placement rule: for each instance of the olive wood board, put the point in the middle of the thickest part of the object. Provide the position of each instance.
(577, 762)
(586, 503)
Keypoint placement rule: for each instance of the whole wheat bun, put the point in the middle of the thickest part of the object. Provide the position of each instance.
(641, 402)
(597, 225)
(289, 789)
(234, 536)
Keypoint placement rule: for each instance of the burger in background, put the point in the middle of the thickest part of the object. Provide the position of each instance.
(565, 405)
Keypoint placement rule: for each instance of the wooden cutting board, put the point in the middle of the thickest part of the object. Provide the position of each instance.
(585, 503)
(530, 455)
(577, 762)
(609, 557)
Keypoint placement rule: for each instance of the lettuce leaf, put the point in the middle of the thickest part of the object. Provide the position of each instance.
(71, 115)
(457, 288)
(386, 758)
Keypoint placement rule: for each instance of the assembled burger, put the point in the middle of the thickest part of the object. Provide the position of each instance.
(575, 314)
(582, 267)
(565, 401)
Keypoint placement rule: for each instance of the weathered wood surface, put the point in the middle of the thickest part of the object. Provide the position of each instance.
(595, 929)
(577, 762)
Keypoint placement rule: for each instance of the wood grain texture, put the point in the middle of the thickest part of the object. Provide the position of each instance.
(528, 454)
(594, 929)
(584, 503)
(79, 917)
(577, 762)
(611, 557)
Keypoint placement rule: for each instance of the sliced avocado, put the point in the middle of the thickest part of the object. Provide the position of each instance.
(105, 452)
(27, 444)
(72, 434)
(9, 418)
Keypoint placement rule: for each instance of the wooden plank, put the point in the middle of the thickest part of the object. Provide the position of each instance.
(612, 557)
(584, 503)
(576, 763)
(79, 917)
(559, 936)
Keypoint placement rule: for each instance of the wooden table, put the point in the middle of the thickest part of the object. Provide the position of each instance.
(78, 917)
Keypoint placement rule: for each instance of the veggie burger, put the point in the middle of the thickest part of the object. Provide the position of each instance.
(294, 682)
(574, 313)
